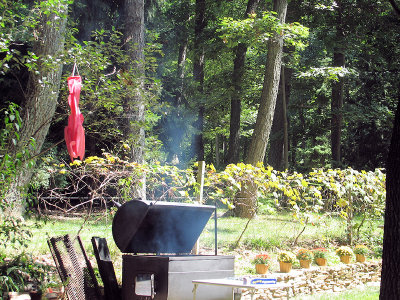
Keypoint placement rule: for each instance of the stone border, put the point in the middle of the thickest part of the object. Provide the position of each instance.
(319, 279)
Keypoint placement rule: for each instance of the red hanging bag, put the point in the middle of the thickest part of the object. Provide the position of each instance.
(74, 133)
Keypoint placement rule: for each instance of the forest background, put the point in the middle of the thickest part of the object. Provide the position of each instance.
(169, 83)
(335, 107)
(173, 82)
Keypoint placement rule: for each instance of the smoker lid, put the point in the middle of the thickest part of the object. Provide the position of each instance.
(159, 227)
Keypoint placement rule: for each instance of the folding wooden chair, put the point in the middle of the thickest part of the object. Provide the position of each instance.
(74, 268)
(106, 269)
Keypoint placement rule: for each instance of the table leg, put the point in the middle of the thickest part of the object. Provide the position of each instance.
(194, 291)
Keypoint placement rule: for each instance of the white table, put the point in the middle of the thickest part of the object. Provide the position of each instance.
(236, 283)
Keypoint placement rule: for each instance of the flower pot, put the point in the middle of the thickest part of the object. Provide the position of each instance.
(345, 259)
(285, 267)
(320, 261)
(261, 268)
(305, 263)
(360, 258)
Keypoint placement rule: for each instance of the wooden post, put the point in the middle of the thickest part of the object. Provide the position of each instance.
(200, 180)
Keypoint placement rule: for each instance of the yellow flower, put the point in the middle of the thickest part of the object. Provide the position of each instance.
(76, 162)
(110, 158)
(344, 250)
(286, 256)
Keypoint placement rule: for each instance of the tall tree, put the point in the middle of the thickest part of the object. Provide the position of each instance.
(198, 74)
(278, 150)
(183, 36)
(246, 199)
(236, 105)
(176, 121)
(390, 282)
(337, 90)
(42, 90)
(269, 93)
(135, 104)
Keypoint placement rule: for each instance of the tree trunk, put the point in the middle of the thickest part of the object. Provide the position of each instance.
(217, 159)
(285, 121)
(275, 153)
(390, 282)
(245, 207)
(337, 94)
(265, 115)
(176, 120)
(336, 111)
(41, 97)
(135, 104)
(278, 150)
(92, 16)
(198, 74)
(183, 36)
(236, 106)
(179, 99)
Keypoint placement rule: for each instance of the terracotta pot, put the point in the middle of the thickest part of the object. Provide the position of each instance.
(321, 261)
(285, 267)
(305, 263)
(261, 268)
(360, 257)
(345, 259)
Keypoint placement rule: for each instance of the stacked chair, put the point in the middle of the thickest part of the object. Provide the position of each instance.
(106, 269)
(76, 272)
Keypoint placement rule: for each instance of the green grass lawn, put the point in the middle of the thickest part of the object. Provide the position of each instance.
(42, 230)
(264, 233)
(270, 232)
(368, 293)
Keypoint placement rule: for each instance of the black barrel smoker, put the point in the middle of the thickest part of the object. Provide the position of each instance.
(159, 237)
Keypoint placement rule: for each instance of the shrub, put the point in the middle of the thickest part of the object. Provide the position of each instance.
(17, 273)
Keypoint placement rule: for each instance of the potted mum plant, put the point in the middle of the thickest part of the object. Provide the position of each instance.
(320, 256)
(345, 253)
(262, 263)
(304, 256)
(286, 259)
(361, 251)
